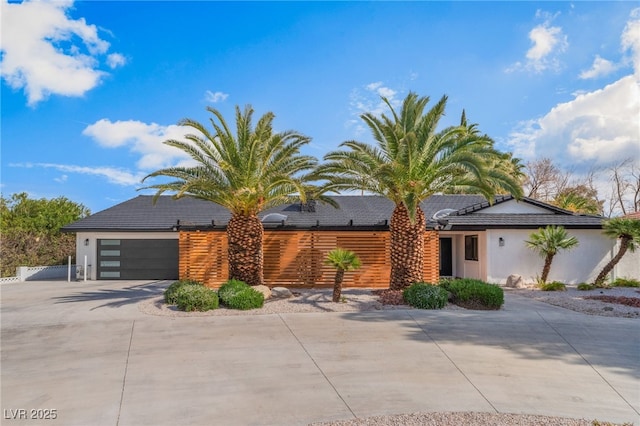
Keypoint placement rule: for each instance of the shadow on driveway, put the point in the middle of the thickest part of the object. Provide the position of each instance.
(116, 297)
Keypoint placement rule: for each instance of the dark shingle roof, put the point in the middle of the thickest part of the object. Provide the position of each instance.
(369, 211)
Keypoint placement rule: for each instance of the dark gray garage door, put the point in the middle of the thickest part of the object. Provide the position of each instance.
(121, 259)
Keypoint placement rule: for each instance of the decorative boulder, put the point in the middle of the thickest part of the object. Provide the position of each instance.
(264, 290)
(281, 292)
(515, 281)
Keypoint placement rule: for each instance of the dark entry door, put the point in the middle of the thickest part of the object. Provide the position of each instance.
(122, 259)
(446, 257)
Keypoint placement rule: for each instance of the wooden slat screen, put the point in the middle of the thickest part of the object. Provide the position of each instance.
(296, 258)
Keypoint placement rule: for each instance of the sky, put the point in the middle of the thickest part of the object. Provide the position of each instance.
(91, 89)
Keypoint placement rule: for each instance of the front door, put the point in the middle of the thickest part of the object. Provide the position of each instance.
(446, 257)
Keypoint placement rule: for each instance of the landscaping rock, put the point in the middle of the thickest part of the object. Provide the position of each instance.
(281, 292)
(266, 292)
(515, 281)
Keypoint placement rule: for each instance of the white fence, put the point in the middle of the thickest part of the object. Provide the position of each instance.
(34, 273)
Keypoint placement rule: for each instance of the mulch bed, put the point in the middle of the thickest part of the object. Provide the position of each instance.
(390, 297)
(620, 300)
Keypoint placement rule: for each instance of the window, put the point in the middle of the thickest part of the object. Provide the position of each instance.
(470, 247)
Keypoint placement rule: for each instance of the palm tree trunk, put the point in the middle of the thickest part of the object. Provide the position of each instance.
(245, 249)
(547, 267)
(337, 285)
(624, 244)
(407, 248)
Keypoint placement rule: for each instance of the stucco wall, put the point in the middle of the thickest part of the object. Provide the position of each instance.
(629, 265)
(580, 264)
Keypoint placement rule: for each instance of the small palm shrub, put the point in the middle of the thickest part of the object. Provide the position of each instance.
(553, 286)
(425, 296)
(196, 298)
(476, 294)
(171, 292)
(585, 287)
(625, 282)
(236, 294)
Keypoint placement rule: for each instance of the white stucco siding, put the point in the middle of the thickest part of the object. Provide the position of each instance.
(513, 206)
(629, 265)
(581, 264)
(89, 248)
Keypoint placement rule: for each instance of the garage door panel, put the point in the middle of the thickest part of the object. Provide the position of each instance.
(137, 259)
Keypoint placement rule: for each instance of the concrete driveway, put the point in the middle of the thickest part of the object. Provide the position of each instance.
(84, 354)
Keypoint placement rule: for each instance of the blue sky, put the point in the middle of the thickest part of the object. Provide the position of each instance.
(91, 89)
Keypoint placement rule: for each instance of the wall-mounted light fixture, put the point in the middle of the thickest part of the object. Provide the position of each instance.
(501, 242)
(86, 242)
(176, 227)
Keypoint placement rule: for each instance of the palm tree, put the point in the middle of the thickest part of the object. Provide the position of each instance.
(547, 242)
(246, 172)
(628, 232)
(411, 161)
(342, 260)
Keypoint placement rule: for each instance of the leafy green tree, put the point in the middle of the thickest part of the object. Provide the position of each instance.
(342, 260)
(31, 231)
(578, 199)
(628, 232)
(548, 242)
(410, 161)
(246, 172)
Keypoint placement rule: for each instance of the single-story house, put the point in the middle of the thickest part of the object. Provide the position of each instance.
(466, 237)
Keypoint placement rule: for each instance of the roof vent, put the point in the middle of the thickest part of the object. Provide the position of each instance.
(441, 214)
(274, 218)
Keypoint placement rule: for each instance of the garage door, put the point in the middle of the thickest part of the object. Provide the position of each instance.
(121, 259)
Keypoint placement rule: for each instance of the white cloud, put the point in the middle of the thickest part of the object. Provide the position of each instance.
(630, 39)
(115, 60)
(62, 179)
(113, 175)
(370, 99)
(600, 68)
(215, 97)
(594, 129)
(33, 56)
(547, 43)
(140, 138)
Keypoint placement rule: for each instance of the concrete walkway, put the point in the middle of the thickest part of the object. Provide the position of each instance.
(87, 352)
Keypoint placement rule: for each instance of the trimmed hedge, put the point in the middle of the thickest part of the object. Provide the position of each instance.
(170, 294)
(425, 296)
(196, 298)
(237, 294)
(476, 294)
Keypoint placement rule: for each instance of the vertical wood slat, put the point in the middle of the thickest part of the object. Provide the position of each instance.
(296, 258)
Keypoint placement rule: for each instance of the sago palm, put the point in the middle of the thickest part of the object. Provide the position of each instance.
(547, 242)
(628, 232)
(410, 161)
(246, 172)
(342, 260)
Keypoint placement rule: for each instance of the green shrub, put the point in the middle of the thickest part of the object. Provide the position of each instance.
(171, 291)
(196, 298)
(425, 296)
(476, 294)
(445, 283)
(230, 288)
(237, 294)
(625, 282)
(585, 287)
(553, 286)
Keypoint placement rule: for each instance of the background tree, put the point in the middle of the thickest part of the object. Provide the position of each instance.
(579, 199)
(410, 161)
(342, 260)
(625, 230)
(547, 242)
(31, 231)
(246, 172)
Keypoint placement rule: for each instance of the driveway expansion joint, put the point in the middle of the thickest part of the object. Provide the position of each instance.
(126, 368)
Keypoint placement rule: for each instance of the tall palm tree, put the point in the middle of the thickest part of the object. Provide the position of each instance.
(410, 161)
(547, 242)
(246, 172)
(628, 232)
(342, 260)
